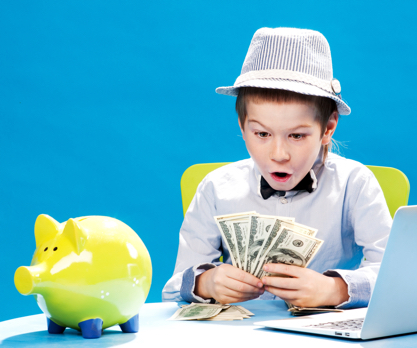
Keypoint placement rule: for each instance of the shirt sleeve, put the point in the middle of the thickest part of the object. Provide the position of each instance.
(200, 246)
(368, 216)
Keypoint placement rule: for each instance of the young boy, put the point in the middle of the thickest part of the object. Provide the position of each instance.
(288, 108)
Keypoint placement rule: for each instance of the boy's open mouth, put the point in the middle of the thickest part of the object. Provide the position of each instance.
(280, 176)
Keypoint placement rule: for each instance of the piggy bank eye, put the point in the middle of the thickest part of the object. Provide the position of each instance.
(45, 249)
(55, 248)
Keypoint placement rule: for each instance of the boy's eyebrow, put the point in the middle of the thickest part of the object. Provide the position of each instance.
(249, 120)
(291, 129)
(301, 126)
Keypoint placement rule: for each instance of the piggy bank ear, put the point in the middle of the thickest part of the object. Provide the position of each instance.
(75, 235)
(46, 228)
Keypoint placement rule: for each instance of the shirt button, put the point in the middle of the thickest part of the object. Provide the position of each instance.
(284, 200)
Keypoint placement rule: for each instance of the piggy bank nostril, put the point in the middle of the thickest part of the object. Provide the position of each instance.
(45, 249)
(23, 280)
(55, 248)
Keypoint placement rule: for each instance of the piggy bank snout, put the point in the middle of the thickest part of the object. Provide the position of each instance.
(23, 280)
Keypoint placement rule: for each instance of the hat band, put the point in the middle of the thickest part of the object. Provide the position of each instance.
(285, 75)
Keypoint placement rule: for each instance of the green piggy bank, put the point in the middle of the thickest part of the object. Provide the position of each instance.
(88, 274)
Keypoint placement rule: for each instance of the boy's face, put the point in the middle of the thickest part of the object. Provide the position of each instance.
(284, 140)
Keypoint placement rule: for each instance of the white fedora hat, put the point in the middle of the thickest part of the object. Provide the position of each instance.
(293, 59)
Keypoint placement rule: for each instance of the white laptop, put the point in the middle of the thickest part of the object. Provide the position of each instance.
(392, 309)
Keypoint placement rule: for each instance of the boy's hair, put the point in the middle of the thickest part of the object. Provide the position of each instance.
(324, 106)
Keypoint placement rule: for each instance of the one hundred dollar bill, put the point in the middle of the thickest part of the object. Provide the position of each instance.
(211, 312)
(243, 310)
(253, 243)
(270, 224)
(296, 227)
(234, 241)
(241, 230)
(230, 239)
(231, 313)
(197, 311)
(291, 248)
(299, 311)
(260, 228)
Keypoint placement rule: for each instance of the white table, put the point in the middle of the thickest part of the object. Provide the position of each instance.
(156, 331)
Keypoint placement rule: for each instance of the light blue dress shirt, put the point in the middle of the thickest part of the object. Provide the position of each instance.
(348, 208)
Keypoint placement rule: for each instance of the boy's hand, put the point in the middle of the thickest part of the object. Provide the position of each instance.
(305, 288)
(228, 284)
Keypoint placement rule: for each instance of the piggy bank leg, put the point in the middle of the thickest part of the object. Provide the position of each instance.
(132, 325)
(54, 328)
(91, 328)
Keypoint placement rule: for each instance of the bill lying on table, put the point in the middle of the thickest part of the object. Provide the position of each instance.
(204, 311)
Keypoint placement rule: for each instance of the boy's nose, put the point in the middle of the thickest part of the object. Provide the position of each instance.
(279, 152)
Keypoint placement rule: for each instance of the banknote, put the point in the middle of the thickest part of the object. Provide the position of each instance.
(260, 228)
(280, 222)
(298, 311)
(235, 235)
(241, 229)
(296, 227)
(231, 313)
(230, 239)
(291, 248)
(197, 311)
(268, 228)
(211, 312)
(257, 230)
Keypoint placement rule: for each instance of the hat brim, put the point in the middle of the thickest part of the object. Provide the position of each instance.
(294, 86)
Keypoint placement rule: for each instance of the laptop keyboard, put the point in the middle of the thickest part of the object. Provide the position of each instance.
(351, 324)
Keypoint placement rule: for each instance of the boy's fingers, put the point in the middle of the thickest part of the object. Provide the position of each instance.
(239, 296)
(232, 299)
(245, 277)
(287, 295)
(281, 283)
(236, 274)
(242, 287)
(281, 268)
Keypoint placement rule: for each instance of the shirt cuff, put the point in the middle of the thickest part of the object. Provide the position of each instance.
(359, 287)
(188, 283)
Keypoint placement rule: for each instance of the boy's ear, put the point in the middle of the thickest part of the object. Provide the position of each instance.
(330, 128)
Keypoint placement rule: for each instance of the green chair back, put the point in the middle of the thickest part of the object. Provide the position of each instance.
(394, 184)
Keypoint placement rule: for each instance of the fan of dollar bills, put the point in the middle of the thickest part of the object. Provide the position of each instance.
(254, 240)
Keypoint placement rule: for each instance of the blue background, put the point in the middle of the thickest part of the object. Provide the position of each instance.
(101, 101)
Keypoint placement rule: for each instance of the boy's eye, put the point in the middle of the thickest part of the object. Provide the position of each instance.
(297, 136)
(262, 134)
